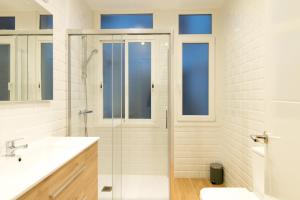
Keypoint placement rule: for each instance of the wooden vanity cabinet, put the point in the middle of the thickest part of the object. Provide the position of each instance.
(76, 180)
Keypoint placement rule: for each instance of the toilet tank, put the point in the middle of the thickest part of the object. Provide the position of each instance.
(258, 167)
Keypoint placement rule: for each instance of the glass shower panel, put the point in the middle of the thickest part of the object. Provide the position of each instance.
(118, 108)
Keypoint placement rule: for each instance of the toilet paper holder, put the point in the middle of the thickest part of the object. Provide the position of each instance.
(264, 138)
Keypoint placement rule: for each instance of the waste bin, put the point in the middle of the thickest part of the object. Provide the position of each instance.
(216, 173)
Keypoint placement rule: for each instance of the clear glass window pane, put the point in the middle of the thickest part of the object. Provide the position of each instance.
(4, 71)
(46, 22)
(195, 58)
(123, 21)
(7, 23)
(47, 71)
(195, 24)
(113, 80)
(139, 63)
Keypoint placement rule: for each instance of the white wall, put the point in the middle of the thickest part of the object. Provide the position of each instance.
(241, 43)
(34, 120)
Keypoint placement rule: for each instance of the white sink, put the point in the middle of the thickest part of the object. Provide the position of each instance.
(30, 166)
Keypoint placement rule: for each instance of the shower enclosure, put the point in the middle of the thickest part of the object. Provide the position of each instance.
(119, 91)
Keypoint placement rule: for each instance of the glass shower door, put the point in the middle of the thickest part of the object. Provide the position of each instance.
(110, 109)
(127, 91)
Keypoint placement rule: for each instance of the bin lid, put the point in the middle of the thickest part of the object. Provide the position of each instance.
(216, 165)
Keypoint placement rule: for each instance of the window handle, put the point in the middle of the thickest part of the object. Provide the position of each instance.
(152, 86)
(101, 85)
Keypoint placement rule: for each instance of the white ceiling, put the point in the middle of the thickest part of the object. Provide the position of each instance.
(152, 4)
(20, 5)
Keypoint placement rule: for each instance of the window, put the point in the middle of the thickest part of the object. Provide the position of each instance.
(7, 23)
(139, 80)
(127, 80)
(195, 24)
(4, 72)
(46, 22)
(113, 80)
(47, 71)
(126, 21)
(195, 78)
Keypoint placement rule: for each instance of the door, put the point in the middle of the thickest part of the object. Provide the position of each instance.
(283, 99)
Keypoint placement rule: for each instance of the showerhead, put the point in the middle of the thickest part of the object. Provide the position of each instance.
(84, 66)
(95, 51)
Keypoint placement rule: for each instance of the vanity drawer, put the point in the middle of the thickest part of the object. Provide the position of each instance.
(76, 180)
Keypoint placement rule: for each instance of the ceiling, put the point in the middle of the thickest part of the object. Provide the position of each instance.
(153, 4)
(19, 5)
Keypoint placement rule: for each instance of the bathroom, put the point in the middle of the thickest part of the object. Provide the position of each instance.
(111, 99)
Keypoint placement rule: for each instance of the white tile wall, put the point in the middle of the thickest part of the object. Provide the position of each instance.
(195, 148)
(241, 35)
(39, 119)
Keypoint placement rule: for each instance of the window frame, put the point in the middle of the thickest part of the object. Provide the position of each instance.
(126, 122)
(209, 39)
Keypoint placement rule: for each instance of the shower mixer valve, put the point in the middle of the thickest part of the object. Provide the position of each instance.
(82, 112)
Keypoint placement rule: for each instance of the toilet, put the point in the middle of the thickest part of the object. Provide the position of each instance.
(258, 163)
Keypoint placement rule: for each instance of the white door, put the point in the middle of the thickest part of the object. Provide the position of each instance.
(283, 99)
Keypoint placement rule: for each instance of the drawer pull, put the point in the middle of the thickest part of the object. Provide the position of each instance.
(67, 181)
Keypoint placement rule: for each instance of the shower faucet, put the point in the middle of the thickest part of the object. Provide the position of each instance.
(82, 112)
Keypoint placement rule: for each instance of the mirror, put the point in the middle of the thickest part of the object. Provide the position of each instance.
(26, 51)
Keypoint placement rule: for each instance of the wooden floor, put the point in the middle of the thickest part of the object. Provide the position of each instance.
(189, 189)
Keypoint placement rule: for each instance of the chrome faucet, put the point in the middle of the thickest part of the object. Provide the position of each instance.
(11, 147)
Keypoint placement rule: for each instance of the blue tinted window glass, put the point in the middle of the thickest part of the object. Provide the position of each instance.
(7, 23)
(46, 22)
(4, 71)
(195, 79)
(47, 71)
(195, 24)
(113, 80)
(123, 21)
(139, 62)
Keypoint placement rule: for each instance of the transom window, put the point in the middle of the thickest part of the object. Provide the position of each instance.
(195, 24)
(126, 21)
(7, 23)
(46, 22)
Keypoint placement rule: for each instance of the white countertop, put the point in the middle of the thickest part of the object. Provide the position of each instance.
(39, 160)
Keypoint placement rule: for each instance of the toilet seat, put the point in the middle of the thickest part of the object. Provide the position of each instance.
(227, 194)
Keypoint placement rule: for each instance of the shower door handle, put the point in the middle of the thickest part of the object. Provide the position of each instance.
(166, 119)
